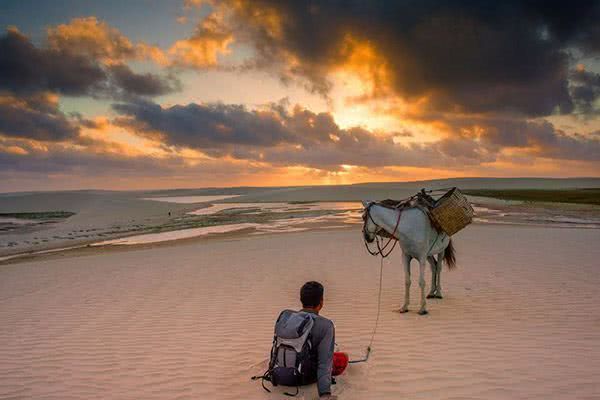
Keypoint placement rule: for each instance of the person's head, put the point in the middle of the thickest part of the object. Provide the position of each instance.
(311, 295)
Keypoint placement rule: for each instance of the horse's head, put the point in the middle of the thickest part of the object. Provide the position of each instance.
(369, 227)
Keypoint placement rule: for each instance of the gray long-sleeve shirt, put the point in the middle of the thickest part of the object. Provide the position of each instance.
(323, 340)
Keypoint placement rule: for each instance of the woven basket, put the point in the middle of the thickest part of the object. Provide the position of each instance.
(452, 211)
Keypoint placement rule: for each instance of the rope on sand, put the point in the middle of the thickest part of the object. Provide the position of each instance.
(366, 358)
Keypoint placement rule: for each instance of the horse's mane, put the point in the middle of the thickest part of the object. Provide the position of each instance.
(393, 203)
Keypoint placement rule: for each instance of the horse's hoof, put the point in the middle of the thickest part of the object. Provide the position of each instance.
(431, 296)
(403, 310)
(423, 312)
(439, 296)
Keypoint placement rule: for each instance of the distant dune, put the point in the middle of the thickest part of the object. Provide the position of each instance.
(397, 190)
(336, 192)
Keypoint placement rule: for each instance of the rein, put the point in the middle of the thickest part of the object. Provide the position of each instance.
(380, 250)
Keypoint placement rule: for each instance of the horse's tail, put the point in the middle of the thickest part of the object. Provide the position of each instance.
(450, 256)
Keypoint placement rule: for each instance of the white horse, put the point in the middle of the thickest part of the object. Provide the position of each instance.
(418, 239)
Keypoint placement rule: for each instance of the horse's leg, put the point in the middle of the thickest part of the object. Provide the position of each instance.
(406, 263)
(438, 283)
(422, 266)
(433, 264)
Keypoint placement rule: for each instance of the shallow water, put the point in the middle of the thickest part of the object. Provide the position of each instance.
(175, 235)
(189, 199)
(296, 220)
(335, 215)
(134, 217)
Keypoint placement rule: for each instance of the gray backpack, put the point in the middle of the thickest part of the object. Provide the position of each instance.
(292, 361)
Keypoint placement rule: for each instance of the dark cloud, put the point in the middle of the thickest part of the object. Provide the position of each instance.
(508, 56)
(69, 160)
(141, 84)
(25, 165)
(211, 126)
(272, 134)
(541, 138)
(572, 23)
(488, 71)
(301, 137)
(26, 69)
(35, 117)
(585, 90)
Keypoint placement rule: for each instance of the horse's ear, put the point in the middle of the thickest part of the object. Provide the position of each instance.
(366, 203)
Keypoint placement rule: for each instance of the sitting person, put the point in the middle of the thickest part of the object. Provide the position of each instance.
(303, 346)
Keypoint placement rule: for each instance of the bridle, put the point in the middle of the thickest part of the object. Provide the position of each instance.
(378, 240)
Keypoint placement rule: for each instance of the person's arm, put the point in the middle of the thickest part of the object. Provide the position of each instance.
(325, 358)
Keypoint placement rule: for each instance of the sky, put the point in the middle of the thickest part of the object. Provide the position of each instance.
(146, 94)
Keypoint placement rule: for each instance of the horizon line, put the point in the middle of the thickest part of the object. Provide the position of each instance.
(300, 186)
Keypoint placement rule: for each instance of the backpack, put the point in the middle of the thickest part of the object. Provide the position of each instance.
(292, 361)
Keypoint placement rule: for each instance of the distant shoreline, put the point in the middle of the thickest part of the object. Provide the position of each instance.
(569, 196)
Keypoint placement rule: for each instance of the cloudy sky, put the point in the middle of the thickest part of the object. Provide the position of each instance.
(169, 94)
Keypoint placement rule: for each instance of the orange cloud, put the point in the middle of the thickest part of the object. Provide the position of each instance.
(93, 38)
(98, 40)
(203, 48)
(13, 150)
(362, 59)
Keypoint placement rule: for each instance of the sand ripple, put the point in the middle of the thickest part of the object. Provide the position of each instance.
(194, 321)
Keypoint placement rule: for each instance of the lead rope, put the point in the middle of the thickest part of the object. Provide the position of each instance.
(381, 253)
(366, 358)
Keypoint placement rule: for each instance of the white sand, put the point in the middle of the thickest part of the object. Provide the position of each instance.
(194, 321)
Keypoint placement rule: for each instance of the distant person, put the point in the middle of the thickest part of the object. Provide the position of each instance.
(303, 346)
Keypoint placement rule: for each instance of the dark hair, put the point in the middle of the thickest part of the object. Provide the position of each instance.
(311, 294)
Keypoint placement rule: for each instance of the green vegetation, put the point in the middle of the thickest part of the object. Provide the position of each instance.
(577, 196)
(39, 215)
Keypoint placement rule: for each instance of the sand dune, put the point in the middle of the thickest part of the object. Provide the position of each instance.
(194, 320)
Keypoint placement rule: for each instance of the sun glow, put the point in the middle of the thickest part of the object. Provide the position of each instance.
(362, 95)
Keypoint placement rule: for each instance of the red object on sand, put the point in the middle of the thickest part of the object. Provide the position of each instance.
(340, 362)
